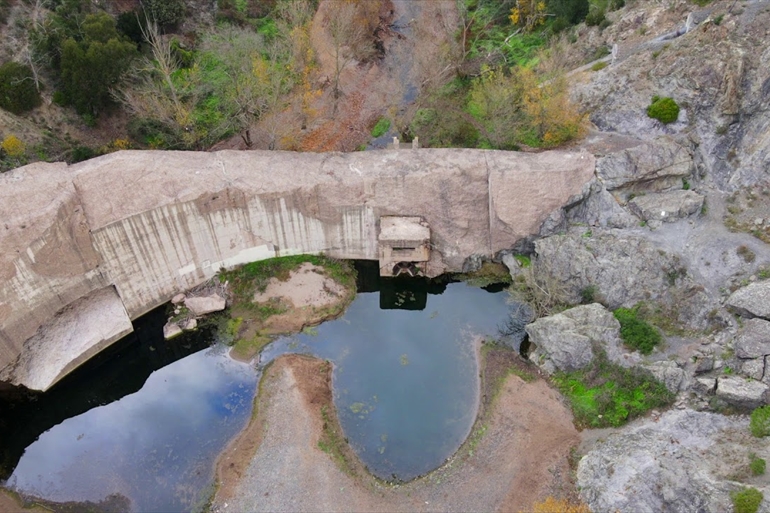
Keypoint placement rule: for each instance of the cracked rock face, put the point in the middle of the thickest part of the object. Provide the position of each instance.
(752, 300)
(667, 206)
(684, 461)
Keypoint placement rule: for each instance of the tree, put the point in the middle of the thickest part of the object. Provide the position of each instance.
(350, 38)
(17, 88)
(573, 11)
(164, 12)
(92, 66)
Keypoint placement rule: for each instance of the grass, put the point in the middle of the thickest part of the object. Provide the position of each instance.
(608, 395)
(249, 278)
(757, 465)
(245, 349)
(333, 443)
(599, 66)
(746, 254)
(760, 422)
(746, 500)
(381, 128)
(635, 332)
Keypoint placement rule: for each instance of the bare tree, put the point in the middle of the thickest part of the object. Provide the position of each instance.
(350, 40)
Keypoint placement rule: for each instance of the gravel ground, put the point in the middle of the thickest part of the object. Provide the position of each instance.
(521, 456)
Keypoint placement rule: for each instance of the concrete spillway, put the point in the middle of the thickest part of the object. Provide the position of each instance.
(86, 248)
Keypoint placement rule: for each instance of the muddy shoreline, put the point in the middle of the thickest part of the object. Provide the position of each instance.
(516, 454)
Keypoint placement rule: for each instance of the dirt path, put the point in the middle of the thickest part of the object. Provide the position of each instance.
(516, 456)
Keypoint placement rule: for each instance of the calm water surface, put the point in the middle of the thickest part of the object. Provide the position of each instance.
(147, 421)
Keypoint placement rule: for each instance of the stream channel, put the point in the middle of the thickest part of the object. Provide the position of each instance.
(146, 419)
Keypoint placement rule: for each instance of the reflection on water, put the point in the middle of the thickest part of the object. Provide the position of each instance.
(156, 446)
(406, 380)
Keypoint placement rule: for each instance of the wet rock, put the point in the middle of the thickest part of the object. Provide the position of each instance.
(667, 206)
(740, 392)
(752, 300)
(564, 341)
(205, 304)
(657, 165)
(753, 339)
(668, 373)
(171, 330)
(662, 465)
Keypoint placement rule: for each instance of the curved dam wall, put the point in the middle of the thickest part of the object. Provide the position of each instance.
(88, 247)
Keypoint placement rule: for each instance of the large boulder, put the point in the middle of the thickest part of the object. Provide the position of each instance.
(675, 463)
(668, 373)
(753, 339)
(205, 304)
(741, 392)
(565, 341)
(752, 300)
(658, 165)
(666, 206)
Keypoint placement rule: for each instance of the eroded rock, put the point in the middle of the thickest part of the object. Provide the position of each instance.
(657, 165)
(674, 463)
(564, 341)
(752, 300)
(205, 304)
(668, 373)
(171, 330)
(753, 339)
(740, 392)
(667, 206)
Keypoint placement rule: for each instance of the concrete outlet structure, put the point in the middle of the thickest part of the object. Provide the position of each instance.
(404, 244)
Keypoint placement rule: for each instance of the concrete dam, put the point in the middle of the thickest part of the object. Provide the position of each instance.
(86, 248)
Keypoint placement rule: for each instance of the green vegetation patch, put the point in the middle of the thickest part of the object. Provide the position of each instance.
(758, 465)
(17, 88)
(249, 278)
(664, 110)
(746, 500)
(608, 395)
(760, 422)
(381, 128)
(635, 332)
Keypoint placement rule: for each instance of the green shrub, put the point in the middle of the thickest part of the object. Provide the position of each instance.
(571, 11)
(382, 126)
(758, 465)
(760, 422)
(588, 294)
(595, 18)
(635, 332)
(664, 110)
(747, 500)
(600, 66)
(17, 88)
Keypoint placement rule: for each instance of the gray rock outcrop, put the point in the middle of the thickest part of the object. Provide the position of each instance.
(740, 392)
(658, 165)
(668, 373)
(565, 341)
(753, 339)
(666, 206)
(624, 269)
(679, 462)
(203, 305)
(752, 300)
